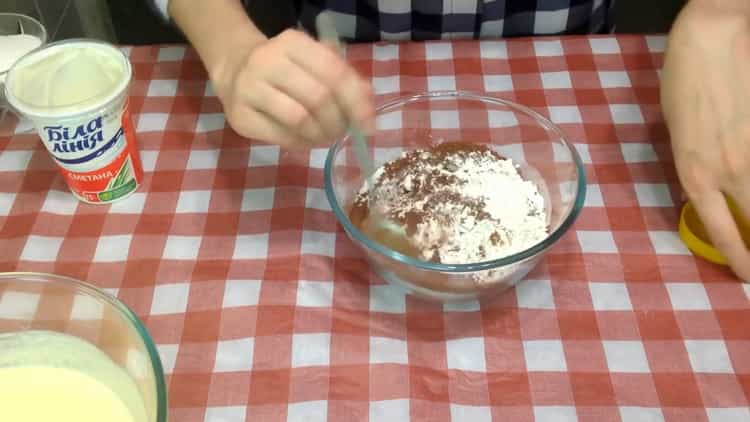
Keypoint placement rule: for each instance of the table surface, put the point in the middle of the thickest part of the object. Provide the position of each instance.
(262, 309)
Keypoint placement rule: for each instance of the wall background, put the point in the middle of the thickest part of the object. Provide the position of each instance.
(133, 22)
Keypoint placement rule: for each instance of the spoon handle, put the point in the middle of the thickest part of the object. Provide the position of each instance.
(394, 235)
(327, 29)
(327, 33)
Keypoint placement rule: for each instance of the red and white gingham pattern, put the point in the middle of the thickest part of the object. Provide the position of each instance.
(264, 310)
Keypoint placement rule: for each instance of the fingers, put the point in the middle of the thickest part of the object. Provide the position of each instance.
(260, 126)
(316, 97)
(725, 236)
(741, 196)
(352, 93)
(296, 87)
(357, 98)
(287, 111)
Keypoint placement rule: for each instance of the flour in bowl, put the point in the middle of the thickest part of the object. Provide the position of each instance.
(459, 203)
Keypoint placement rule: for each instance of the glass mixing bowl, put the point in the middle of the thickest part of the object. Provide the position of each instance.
(12, 24)
(16, 23)
(46, 302)
(421, 121)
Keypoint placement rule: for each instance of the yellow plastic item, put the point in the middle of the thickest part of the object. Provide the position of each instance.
(694, 236)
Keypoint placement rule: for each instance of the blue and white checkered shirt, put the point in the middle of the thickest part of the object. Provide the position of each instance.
(374, 20)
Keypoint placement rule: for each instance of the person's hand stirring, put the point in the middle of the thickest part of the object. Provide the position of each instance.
(289, 90)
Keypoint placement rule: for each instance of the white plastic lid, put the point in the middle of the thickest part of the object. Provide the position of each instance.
(68, 78)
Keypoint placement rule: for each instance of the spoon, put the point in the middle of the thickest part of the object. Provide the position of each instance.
(383, 228)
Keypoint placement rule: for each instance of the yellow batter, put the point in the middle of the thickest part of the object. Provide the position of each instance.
(46, 376)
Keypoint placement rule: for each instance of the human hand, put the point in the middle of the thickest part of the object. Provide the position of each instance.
(292, 91)
(706, 103)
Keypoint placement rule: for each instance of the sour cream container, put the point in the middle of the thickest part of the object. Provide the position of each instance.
(76, 94)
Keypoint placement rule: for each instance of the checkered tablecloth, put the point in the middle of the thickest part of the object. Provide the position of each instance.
(262, 309)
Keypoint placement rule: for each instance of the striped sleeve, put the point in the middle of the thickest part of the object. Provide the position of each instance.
(160, 7)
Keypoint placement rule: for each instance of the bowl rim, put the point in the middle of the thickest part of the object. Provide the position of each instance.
(44, 39)
(125, 311)
(540, 246)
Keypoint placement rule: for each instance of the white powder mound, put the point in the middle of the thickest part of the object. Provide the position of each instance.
(460, 205)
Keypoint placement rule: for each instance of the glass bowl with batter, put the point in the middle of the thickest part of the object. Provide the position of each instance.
(72, 352)
(418, 128)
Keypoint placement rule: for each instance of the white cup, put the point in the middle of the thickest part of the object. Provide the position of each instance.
(92, 140)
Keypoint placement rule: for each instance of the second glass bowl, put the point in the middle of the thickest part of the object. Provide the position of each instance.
(421, 121)
(35, 302)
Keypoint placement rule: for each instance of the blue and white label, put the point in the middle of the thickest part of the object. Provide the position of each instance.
(83, 141)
